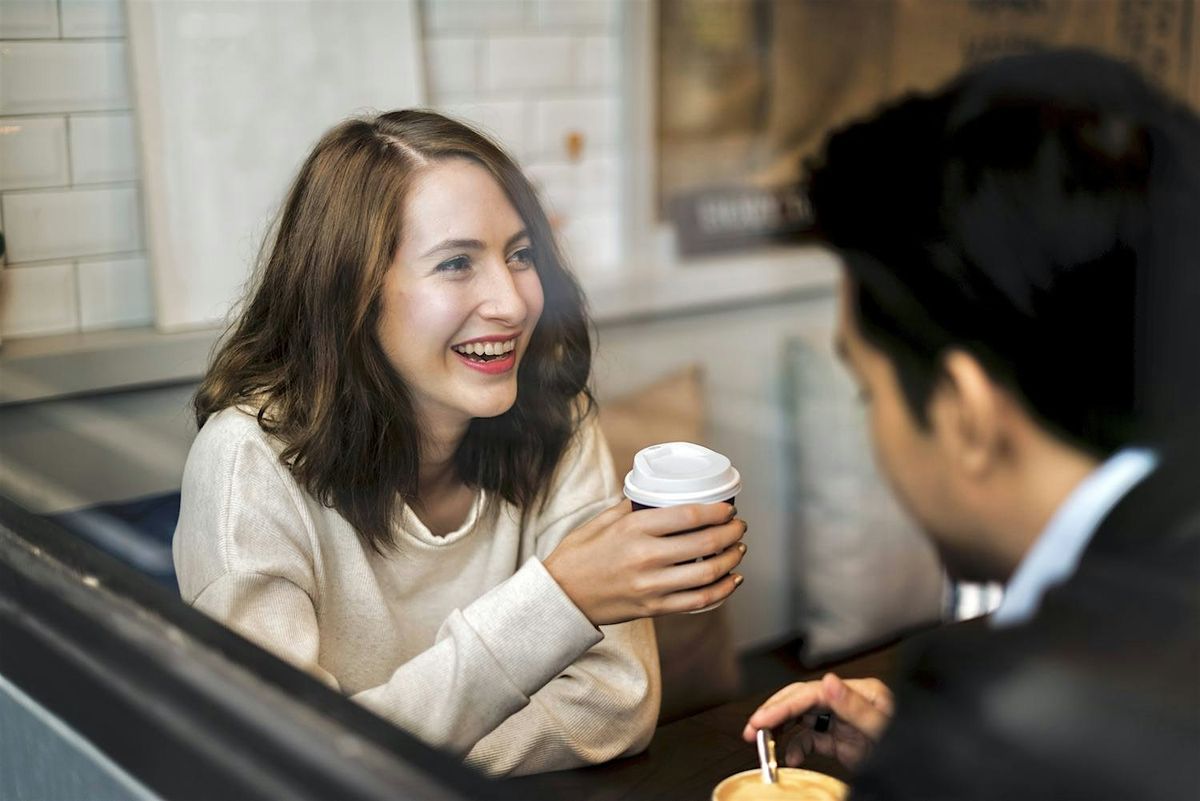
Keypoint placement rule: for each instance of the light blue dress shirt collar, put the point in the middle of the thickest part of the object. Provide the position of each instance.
(1056, 552)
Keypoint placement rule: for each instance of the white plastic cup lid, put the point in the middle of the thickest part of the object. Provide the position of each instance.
(676, 473)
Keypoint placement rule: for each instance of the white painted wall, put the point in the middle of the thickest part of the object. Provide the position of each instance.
(231, 97)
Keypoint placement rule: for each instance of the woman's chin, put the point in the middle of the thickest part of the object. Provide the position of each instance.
(494, 408)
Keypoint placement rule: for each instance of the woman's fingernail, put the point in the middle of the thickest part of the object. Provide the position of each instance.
(738, 578)
(742, 547)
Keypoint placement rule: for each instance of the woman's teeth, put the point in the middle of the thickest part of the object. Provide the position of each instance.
(485, 349)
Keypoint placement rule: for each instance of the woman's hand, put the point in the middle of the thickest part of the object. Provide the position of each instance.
(625, 565)
(860, 711)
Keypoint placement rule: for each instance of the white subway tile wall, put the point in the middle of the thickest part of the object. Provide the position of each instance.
(598, 236)
(69, 196)
(93, 18)
(589, 186)
(67, 223)
(506, 121)
(479, 16)
(33, 152)
(452, 66)
(600, 179)
(556, 120)
(102, 148)
(543, 78)
(584, 15)
(558, 183)
(598, 64)
(114, 293)
(38, 300)
(533, 63)
(62, 75)
(28, 19)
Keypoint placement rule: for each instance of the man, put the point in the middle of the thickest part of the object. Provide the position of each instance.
(1020, 305)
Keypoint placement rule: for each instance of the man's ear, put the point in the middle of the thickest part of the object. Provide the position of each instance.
(967, 414)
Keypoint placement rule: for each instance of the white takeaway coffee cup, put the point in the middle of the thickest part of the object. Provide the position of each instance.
(675, 473)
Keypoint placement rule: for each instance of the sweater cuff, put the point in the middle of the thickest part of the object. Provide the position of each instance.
(531, 627)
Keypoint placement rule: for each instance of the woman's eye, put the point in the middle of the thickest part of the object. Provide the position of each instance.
(457, 264)
(523, 256)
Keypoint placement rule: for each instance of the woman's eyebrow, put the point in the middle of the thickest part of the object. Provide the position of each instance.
(515, 238)
(472, 244)
(454, 244)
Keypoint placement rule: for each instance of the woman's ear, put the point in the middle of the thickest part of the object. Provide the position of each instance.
(967, 414)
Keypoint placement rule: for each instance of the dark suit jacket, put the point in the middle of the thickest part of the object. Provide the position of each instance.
(1097, 698)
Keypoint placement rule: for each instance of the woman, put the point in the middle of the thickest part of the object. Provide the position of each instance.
(398, 484)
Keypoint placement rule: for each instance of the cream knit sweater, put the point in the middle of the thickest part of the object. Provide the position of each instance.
(465, 640)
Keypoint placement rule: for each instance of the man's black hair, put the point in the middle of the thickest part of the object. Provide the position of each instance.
(1041, 212)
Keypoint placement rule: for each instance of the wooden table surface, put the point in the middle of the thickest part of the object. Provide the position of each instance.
(687, 757)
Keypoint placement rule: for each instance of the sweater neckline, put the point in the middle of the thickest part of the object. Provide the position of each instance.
(412, 527)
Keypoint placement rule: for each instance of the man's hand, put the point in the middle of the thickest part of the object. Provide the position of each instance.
(860, 711)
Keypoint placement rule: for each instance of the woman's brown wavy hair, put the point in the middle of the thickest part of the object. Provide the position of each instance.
(304, 351)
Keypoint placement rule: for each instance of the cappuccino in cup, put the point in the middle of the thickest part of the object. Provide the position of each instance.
(794, 784)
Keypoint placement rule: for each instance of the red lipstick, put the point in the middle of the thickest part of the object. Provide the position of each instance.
(496, 366)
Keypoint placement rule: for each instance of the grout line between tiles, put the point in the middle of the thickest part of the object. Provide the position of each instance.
(70, 155)
(78, 296)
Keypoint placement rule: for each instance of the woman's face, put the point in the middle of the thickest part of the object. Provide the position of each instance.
(462, 297)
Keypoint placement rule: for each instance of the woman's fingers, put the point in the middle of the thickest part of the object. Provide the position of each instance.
(702, 543)
(700, 573)
(677, 534)
(694, 600)
(669, 520)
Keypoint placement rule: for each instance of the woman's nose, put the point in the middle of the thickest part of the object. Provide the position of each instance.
(501, 296)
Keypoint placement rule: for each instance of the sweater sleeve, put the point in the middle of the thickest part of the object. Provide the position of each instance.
(605, 704)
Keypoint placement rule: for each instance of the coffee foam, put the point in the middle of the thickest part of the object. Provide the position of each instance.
(794, 784)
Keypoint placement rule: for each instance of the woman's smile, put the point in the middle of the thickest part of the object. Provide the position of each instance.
(491, 354)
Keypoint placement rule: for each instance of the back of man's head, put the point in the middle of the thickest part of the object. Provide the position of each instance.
(1043, 213)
